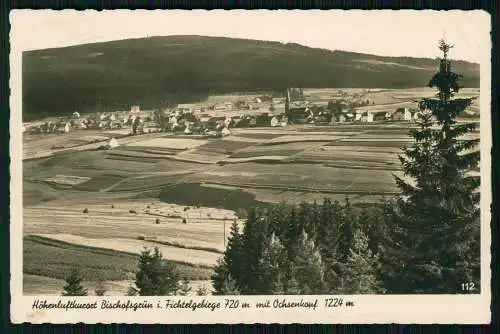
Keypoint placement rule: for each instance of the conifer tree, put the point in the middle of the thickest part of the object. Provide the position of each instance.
(359, 275)
(253, 241)
(155, 277)
(278, 219)
(372, 224)
(308, 266)
(222, 281)
(314, 220)
(347, 228)
(234, 255)
(327, 238)
(229, 287)
(220, 276)
(292, 234)
(272, 267)
(73, 286)
(438, 213)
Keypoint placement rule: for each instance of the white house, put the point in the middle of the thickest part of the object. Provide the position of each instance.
(135, 109)
(367, 117)
(359, 115)
(275, 122)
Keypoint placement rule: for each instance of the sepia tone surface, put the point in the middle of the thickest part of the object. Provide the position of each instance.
(259, 177)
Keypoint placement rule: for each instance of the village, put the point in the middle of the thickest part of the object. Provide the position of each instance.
(216, 119)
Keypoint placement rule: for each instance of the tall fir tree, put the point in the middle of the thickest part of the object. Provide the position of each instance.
(279, 219)
(347, 228)
(155, 277)
(73, 286)
(308, 266)
(253, 242)
(360, 270)
(233, 255)
(273, 267)
(328, 232)
(292, 234)
(438, 211)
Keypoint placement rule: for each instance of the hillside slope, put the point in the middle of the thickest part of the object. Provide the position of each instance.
(156, 71)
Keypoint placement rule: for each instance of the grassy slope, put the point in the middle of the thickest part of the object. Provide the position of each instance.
(151, 71)
(51, 258)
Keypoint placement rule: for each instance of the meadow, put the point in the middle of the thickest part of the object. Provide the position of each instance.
(47, 261)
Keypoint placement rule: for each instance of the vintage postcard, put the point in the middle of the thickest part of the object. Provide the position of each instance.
(250, 166)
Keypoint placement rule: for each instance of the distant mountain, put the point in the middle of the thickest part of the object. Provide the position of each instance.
(156, 71)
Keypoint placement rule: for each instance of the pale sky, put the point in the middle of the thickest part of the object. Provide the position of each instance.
(388, 33)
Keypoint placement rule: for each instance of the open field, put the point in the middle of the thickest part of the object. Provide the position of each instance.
(284, 149)
(109, 216)
(179, 255)
(302, 177)
(55, 258)
(45, 286)
(171, 143)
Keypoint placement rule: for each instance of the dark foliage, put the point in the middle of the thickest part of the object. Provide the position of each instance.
(156, 277)
(435, 228)
(295, 250)
(73, 286)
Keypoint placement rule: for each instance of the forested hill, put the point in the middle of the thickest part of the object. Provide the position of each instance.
(152, 71)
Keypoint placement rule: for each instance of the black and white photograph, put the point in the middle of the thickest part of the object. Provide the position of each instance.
(201, 154)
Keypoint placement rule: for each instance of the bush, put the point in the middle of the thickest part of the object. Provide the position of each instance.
(85, 210)
(132, 211)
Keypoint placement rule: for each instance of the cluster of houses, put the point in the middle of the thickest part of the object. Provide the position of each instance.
(302, 112)
(103, 121)
(369, 115)
(216, 119)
